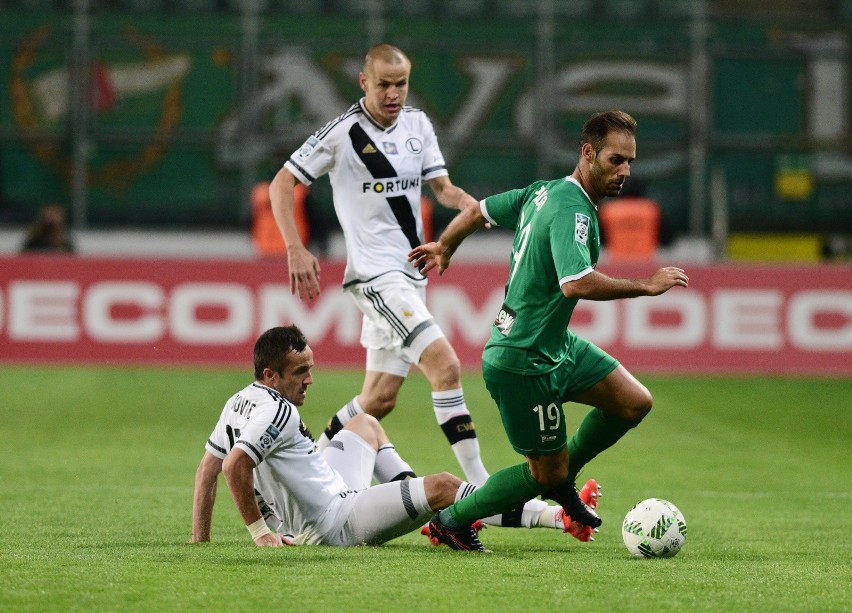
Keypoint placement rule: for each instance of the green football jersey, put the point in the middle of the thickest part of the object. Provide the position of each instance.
(556, 240)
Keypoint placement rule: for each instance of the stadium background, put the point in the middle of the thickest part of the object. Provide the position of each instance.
(152, 120)
(96, 481)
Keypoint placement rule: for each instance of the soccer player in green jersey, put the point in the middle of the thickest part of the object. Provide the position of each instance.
(532, 363)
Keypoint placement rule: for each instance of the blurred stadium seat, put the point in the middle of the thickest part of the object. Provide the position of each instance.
(529, 8)
(408, 7)
(471, 8)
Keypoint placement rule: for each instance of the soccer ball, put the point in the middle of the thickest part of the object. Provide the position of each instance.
(654, 528)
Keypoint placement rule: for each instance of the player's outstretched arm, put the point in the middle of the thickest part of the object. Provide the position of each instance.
(598, 286)
(238, 468)
(303, 266)
(450, 195)
(428, 256)
(204, 497)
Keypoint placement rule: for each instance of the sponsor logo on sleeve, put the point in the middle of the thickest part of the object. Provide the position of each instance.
(268, 437)
(505, 320)
(305, 150)
(581, 228)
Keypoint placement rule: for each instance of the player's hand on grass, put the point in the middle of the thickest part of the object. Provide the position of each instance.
(304, 273)
(665, 279)
(273, 540)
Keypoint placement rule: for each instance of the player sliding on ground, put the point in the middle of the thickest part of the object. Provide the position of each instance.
(287, 492)
(532, 363)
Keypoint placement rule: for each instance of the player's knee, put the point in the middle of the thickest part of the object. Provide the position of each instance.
(367, 421)
(549, 476)
(445, 372)
(641, 405)
(379, 405)
(368, 428)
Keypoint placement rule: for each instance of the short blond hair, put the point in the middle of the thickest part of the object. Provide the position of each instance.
(386, 53)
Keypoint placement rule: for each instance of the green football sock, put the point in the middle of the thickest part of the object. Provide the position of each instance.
(598, 431)
(504, 490)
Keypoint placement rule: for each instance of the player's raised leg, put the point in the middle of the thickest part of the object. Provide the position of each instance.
(377, 398)
(621, 402)
(385, 511)
(442, 367)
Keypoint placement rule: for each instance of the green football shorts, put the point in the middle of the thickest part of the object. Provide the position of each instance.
(531, 406)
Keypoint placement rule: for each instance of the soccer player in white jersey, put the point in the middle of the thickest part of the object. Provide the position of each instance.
(377, 154)
(290, 493)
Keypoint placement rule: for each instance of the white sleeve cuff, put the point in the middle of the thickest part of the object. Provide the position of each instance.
(485, 214)
(579, 275)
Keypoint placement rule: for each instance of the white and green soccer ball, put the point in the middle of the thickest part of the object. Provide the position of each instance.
(654, 528)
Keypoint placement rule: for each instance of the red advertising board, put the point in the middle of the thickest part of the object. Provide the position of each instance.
(732, 318)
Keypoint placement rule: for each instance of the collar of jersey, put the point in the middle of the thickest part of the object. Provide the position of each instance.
(275, 393)
(375, 123)
(571, 179)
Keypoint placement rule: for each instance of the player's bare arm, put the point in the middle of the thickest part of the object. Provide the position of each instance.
(238, 468)
(303, 266)
(451, 196)
(439, 253)
(204, 497)
(598, 286)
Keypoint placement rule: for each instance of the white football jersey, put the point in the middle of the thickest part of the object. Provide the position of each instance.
(290, 473)
(376, 175)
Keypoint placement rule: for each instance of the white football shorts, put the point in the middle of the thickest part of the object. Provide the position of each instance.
(397, 326)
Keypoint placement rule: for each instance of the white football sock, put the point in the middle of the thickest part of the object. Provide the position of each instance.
(454, 419)
(338, 420)
(465, 489)
(390, 466)
(549, 517)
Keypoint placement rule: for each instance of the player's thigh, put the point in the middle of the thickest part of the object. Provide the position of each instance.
(386, 511)
(441, 365)
(352, 457)
(619, 393)
(530, 409)
(585, 366)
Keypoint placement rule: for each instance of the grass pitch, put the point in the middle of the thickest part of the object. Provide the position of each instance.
(96, 489)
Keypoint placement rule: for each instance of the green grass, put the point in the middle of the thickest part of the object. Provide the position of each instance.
(96, 486)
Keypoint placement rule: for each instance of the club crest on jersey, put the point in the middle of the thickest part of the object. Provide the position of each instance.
(268, 437)
(305, 150)
(414, 145)
(505, 320)
(390, 148)
(581, 228)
